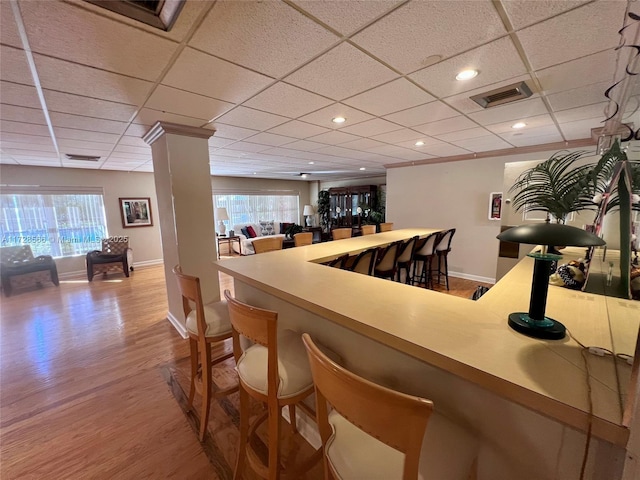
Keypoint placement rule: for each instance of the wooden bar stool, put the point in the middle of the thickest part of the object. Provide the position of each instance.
(425, 253)
(442, 250)
(386, 227)
(406, 257)
(340, 233)
(368, 229)
(275, 371)
(266, 244)
(387, 263)
(302, 239)
(207, 324)
(372, 432)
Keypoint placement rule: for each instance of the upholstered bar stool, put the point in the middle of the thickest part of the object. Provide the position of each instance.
(387, 264)
(368, 229)
(340, 233)
(372, 432)
(386, 227)
(275, 371)
(207, 324)
(425, 253)
(442, 250)
(365, 262)
(405, 259)
(303, 238)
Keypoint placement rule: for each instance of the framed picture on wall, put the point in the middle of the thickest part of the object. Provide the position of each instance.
(136, 212)
(495, 206)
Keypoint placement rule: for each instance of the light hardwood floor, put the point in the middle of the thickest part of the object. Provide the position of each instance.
(81, 388)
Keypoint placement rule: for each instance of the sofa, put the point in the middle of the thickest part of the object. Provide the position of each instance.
(262, 229)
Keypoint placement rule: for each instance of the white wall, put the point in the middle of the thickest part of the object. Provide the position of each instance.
(145, 241)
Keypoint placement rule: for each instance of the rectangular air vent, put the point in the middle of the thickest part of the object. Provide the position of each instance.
(160, 14)
(85, 158)
(500, 96)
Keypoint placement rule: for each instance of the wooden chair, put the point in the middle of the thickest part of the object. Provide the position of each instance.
(371, 431)
(340, 233)
(269, 243)
(425, 253)
(338, 262)
(368, 229)
(406, 257)
(302, 239)
(365, 262)
(387, 264)
(386, 227)
(442, 250)
(206, 324)
(285, 380)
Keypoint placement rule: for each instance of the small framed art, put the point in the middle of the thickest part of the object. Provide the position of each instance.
(136, 212)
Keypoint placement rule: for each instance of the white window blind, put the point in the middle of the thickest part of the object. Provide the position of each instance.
(254, 207)
(55, 221)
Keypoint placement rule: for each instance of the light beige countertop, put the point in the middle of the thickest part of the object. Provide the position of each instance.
(465, 338)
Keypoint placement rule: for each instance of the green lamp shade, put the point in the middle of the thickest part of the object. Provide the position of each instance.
(551, 234)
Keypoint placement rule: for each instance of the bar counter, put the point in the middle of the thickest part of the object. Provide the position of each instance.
(459, 344)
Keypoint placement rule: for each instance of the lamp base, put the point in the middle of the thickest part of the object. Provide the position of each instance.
(548, 328)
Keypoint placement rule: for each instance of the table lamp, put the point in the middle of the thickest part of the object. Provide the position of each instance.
(308, 213)
(534, 323)
(222, 216)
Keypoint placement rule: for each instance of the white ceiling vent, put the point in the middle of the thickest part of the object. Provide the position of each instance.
(500, 96)
(85, 158)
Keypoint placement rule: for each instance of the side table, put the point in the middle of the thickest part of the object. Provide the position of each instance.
(229, 241)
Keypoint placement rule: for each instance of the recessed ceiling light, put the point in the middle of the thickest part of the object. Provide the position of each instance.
(519, 125)
(339, 120)
(466, 74)
(255, 173)
(304, 175)
(311, 163)
(419, 143)
(362, 168)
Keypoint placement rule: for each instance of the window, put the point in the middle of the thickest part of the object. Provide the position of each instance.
(251, 208)
(56, 224)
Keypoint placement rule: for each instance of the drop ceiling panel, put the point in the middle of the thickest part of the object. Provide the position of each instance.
(580, 128)
(445, 150)
(271, 139)
(580, 32)
(219, 142)
(372, 127)
(23, 138)
(8, 29)
(305, 145)
(362, 144)
(334, 138)
(131, 149)
(424, 113)
(447, 125)
(324, 116)
(28, 146)
(80, 164)
(525, 141)
(532, 134)
(87, 123)
(397, 136)
(135, 130)
(419, 148)
(49, 34)
(201, 73)
(185, 103)
(14, 66)
(342, 72)
(582, 113)
(532, 122)
(397, 95)
(90, 82)
(298, 129)
(287, 100)
(246, 147)
(395, 38)
(148, 116)
(468, 134)
(519, 110)
(232, 132)
(233, 29)
(583, 71)
(525, 12)
(133, 141)
(90, 107)
(18, 94)
(21, 127)
(494, 61)
(579, 97)
(22, 114)
(483, 144)
(251, 118)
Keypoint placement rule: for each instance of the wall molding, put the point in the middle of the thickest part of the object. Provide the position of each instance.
(80, 273)
(179, 326)
(475, 278)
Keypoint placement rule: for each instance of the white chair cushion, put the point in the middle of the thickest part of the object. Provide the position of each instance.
(356, 455)
(216, 314)
(293, 366)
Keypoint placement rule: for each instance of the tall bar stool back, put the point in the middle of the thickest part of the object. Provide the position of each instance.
(303, 238)
(275, 371)
(372, 432)
(368, 229)
(387, 264)
(365, 262)
(405, 258)
(340, 233)
(207, 324)
(442, 250)
(386, 227)
(266, 244)
(425, 253)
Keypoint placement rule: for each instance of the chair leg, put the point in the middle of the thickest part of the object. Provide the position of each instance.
(244, 434)
(446, 271)
(205, 365)
(292, 418)
(274, 441)
(193, 352)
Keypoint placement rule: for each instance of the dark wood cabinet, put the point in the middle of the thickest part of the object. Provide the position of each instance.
(345, 201)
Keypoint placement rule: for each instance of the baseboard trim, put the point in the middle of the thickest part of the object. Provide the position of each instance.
(475, 278)
(178, 325)
(148, 263)
(76, 273)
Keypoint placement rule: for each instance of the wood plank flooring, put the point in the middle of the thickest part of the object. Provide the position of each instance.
(82, 392)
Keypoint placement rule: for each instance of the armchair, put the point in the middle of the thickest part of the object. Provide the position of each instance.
(114, 256)
(19, 268)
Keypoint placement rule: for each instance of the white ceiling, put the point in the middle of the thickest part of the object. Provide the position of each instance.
(270, 75)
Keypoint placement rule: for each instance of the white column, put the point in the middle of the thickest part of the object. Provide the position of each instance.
(185, 209)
